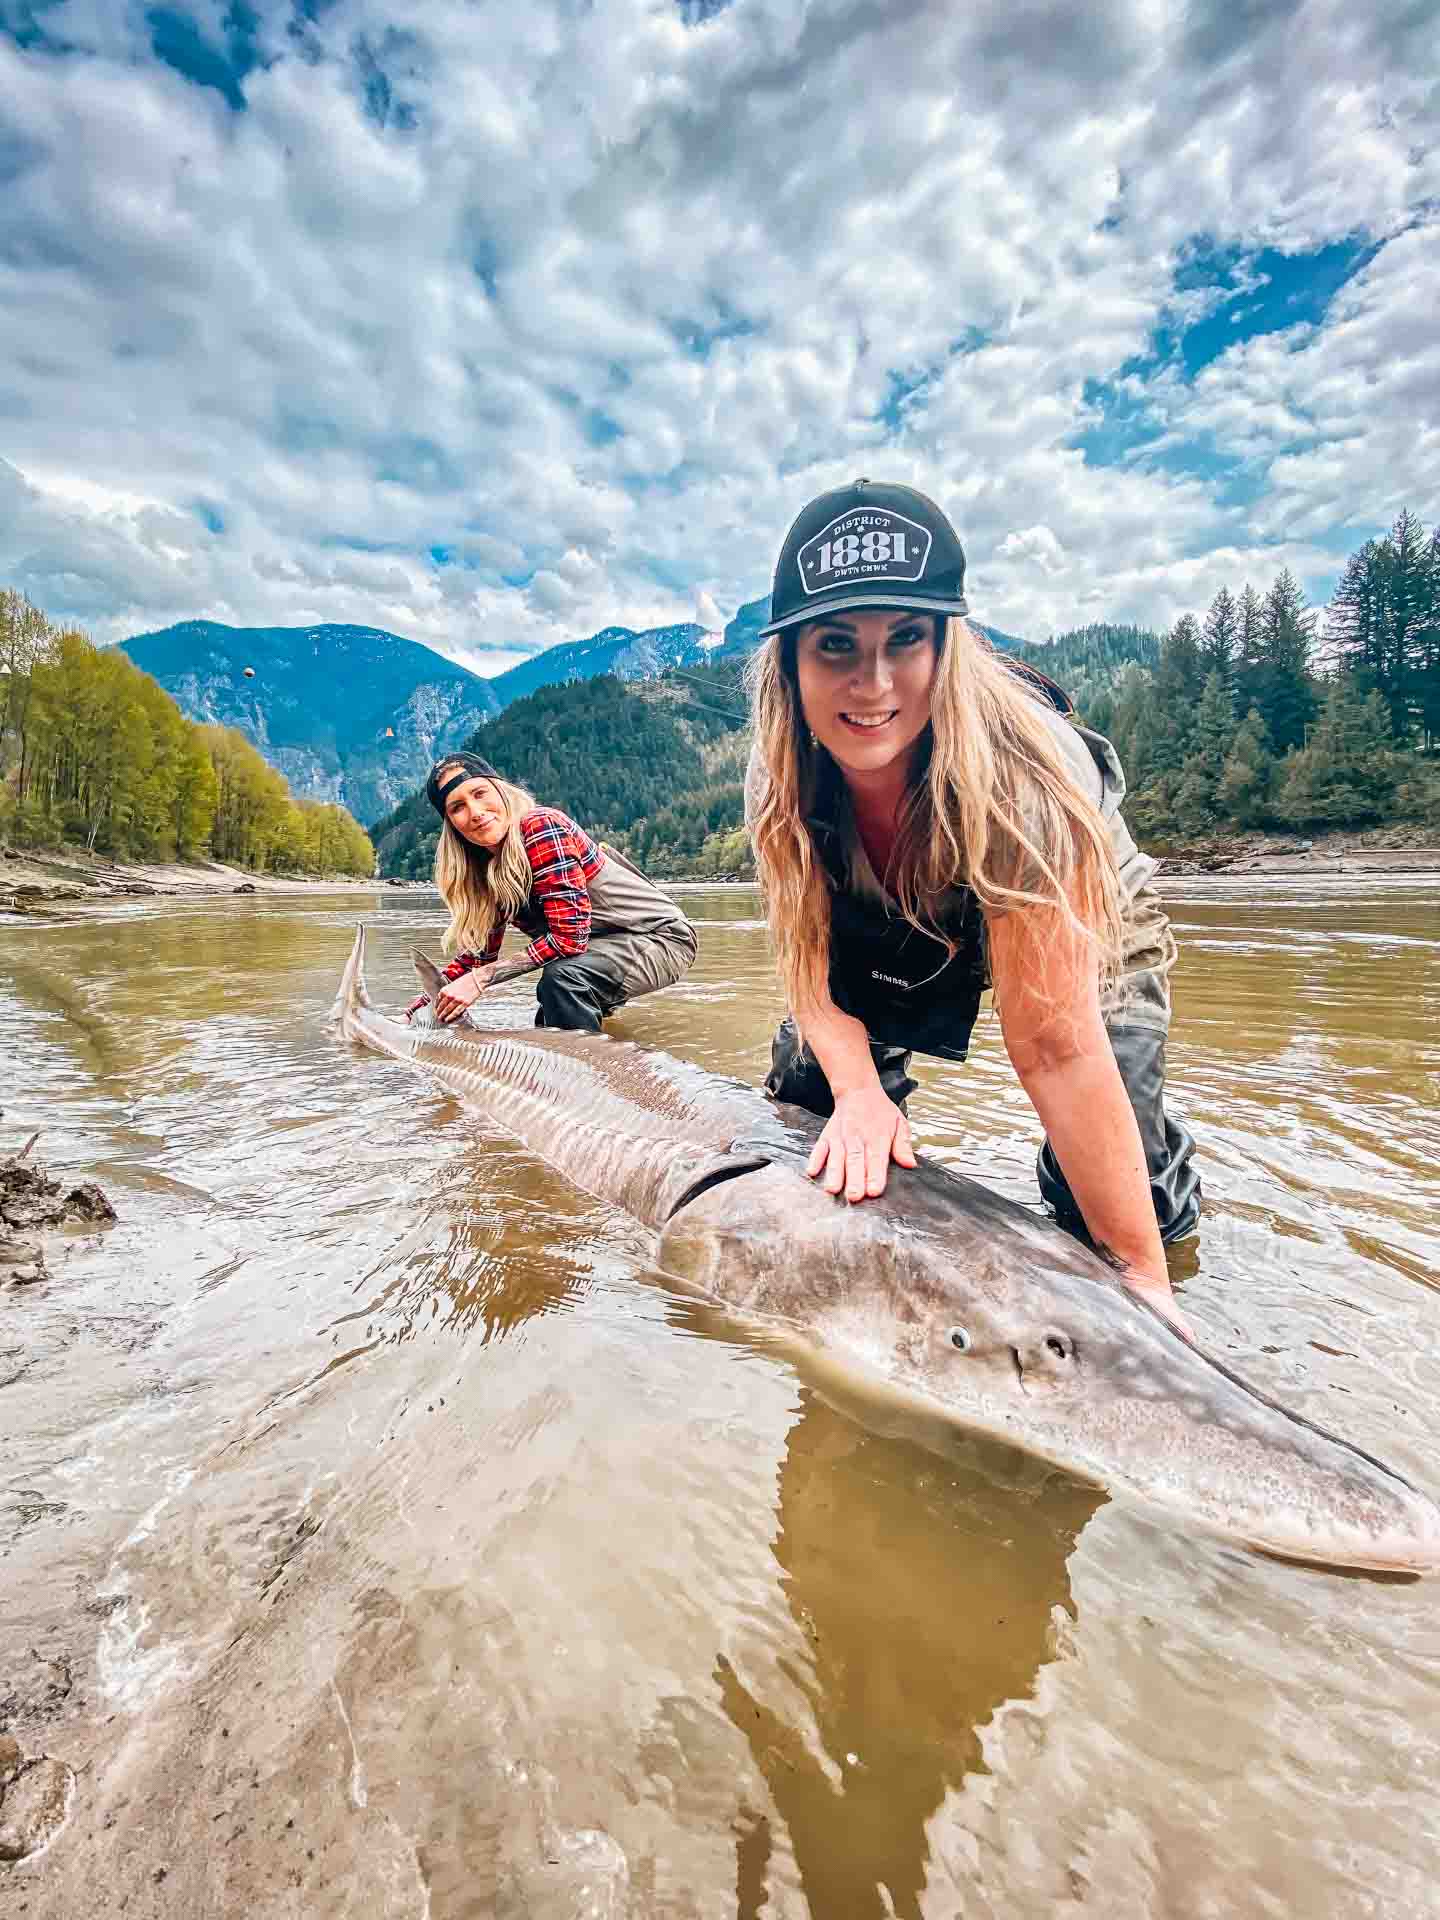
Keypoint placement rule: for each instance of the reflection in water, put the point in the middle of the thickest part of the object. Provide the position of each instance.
(925, 1592)
(480, 1280)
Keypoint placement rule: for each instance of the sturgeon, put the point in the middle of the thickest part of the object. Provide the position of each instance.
(940, 1292)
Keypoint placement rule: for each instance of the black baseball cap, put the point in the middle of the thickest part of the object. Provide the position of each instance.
(471, 766)
(867, 545)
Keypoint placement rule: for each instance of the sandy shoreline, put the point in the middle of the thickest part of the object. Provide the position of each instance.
(1399, 849)
(39, 879)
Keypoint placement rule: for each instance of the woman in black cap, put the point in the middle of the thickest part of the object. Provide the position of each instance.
(599, 931)
(928, 821)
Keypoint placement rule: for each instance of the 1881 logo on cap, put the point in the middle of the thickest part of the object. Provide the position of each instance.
(868, 543)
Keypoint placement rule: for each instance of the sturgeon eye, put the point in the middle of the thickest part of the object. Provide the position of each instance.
(959, 1339)
(1057, 1344)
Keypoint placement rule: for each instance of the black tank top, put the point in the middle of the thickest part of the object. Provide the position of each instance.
(909, 988)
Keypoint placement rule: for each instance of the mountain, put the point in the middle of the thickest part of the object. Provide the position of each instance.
(742, 635)
(1091, 662)
(618, 650)
(352, 714)
(357, 715)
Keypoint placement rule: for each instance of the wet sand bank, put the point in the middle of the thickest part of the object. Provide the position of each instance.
(34, 877)
(1381, 850)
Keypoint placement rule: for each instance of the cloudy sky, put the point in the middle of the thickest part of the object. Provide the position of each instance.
(493, 324)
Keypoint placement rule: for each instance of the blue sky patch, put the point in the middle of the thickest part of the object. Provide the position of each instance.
(909, 388)
(177, 40)
(23, 21)
(1242, 296)
(484, 253)
(382, 70)
(1262, 293)
(699, 338)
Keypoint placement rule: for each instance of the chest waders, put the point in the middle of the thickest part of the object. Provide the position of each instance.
(640, 941)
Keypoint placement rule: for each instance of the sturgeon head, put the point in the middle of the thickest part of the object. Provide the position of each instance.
(946, 1294)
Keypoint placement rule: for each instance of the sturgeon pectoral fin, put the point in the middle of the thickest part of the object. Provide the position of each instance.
(690, 1178)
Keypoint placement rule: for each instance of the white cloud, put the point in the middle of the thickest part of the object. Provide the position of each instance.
(1036, 546)
(596, 313)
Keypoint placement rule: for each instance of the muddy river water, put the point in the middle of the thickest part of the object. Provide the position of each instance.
(380, 1535)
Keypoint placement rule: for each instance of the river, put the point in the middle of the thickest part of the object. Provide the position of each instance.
(379, 1535)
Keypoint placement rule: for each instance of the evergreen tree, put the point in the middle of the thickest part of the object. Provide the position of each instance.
(1347, 773)
(1382, 621)
(1221, 640)
(1197, 795)
(1250, 619)
(1427, 656)
(1417, 793)
(1139, 732)
(1350, 619)
(1278, 681)
(1247, 776)
(1179, 680)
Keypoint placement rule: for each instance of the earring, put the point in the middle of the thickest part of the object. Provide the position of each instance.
(814, 738)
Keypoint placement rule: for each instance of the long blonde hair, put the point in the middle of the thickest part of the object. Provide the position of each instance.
(993, 806)
(483, 885)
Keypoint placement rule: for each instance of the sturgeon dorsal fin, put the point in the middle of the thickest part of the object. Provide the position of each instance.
(431, 978)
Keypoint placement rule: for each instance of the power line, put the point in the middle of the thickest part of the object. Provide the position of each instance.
(688, 700)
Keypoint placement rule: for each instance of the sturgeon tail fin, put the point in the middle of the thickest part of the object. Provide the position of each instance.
(352, 995)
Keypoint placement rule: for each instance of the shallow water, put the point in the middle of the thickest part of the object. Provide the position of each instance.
(391, 1539)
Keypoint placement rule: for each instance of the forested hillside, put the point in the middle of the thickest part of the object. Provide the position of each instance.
(1090, 661)
(94, 753)
(653, 766)
(1268, 713)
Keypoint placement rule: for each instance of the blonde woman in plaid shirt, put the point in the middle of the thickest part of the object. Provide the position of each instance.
(598, 931)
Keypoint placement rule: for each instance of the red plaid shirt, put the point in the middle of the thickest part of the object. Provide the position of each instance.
(563, 860)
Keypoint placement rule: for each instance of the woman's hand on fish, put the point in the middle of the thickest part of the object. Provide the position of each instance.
(462, 993)
(866, 1132)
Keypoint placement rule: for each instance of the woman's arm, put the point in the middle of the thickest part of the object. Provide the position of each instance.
(560, 868)
(867, 1130)
(1047, 992)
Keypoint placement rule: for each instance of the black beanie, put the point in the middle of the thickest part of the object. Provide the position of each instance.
(473, 768)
